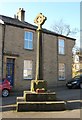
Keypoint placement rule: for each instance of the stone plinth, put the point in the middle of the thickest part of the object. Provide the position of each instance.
(41, 106)
(29, 96)
(38, 84)
(32, 101)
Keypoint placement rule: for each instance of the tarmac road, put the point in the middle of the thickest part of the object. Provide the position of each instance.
(71, 96)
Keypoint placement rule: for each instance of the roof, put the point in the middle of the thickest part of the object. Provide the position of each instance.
(15, 22)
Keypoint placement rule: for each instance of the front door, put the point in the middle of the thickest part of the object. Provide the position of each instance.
(10, 70)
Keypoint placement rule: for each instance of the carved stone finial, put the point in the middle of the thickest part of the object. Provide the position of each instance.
(39, 20)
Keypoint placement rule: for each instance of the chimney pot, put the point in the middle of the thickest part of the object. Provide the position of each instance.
(15, 16)
(21, 14)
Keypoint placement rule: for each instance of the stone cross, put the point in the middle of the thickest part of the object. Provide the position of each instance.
(39, 20)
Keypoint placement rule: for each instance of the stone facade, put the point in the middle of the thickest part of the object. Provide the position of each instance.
(77, 63)
(14, 48)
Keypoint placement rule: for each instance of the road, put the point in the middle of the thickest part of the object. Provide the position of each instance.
(71, 96)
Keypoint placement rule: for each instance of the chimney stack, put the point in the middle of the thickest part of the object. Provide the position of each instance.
(21, 14)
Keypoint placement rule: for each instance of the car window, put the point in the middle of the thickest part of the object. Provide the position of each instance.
(81, 78)
(1, 81)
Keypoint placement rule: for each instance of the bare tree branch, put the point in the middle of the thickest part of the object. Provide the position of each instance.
(61, 28)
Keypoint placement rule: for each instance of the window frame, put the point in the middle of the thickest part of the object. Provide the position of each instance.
(62, 71)
(60, 47)
(28, 40)
(28, 69)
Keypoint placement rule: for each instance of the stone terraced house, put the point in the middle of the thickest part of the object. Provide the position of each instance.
(77, 63)
(18, 53)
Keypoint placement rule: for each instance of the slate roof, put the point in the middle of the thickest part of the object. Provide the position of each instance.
(15, 22)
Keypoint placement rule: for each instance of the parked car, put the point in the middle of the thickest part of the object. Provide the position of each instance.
(75, 82)
(5, 87)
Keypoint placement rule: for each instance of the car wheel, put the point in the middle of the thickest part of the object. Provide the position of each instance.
(81, 85)
(5, 93)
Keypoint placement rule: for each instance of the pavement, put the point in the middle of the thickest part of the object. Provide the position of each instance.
(71, 96)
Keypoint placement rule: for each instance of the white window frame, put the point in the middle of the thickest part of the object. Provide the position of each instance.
(28, 41)
(61, 48)
(62, 71)
(27, 68)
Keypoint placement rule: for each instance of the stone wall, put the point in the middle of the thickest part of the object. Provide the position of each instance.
(14, 48)
(50, 59)
(67, 60)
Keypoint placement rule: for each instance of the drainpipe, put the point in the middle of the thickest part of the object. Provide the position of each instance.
(3, 40)
(57, 62)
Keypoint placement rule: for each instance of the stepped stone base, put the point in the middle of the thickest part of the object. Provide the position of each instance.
(41, 106)
(20, 99)
(32, 101)
(33, 96)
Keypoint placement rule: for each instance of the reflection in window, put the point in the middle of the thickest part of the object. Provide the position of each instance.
(28, 40)
(27, 73)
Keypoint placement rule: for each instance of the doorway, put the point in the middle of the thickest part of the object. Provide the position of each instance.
(10, 70)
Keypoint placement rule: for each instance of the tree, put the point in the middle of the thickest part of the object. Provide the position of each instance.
(61, 28)
(76, 50)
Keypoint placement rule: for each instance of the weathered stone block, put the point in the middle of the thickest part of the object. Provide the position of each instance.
(33, 96)
(20, 99)
(39, 84)
(40, 106)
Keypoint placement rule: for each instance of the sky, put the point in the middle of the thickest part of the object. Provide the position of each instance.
(54, 11)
